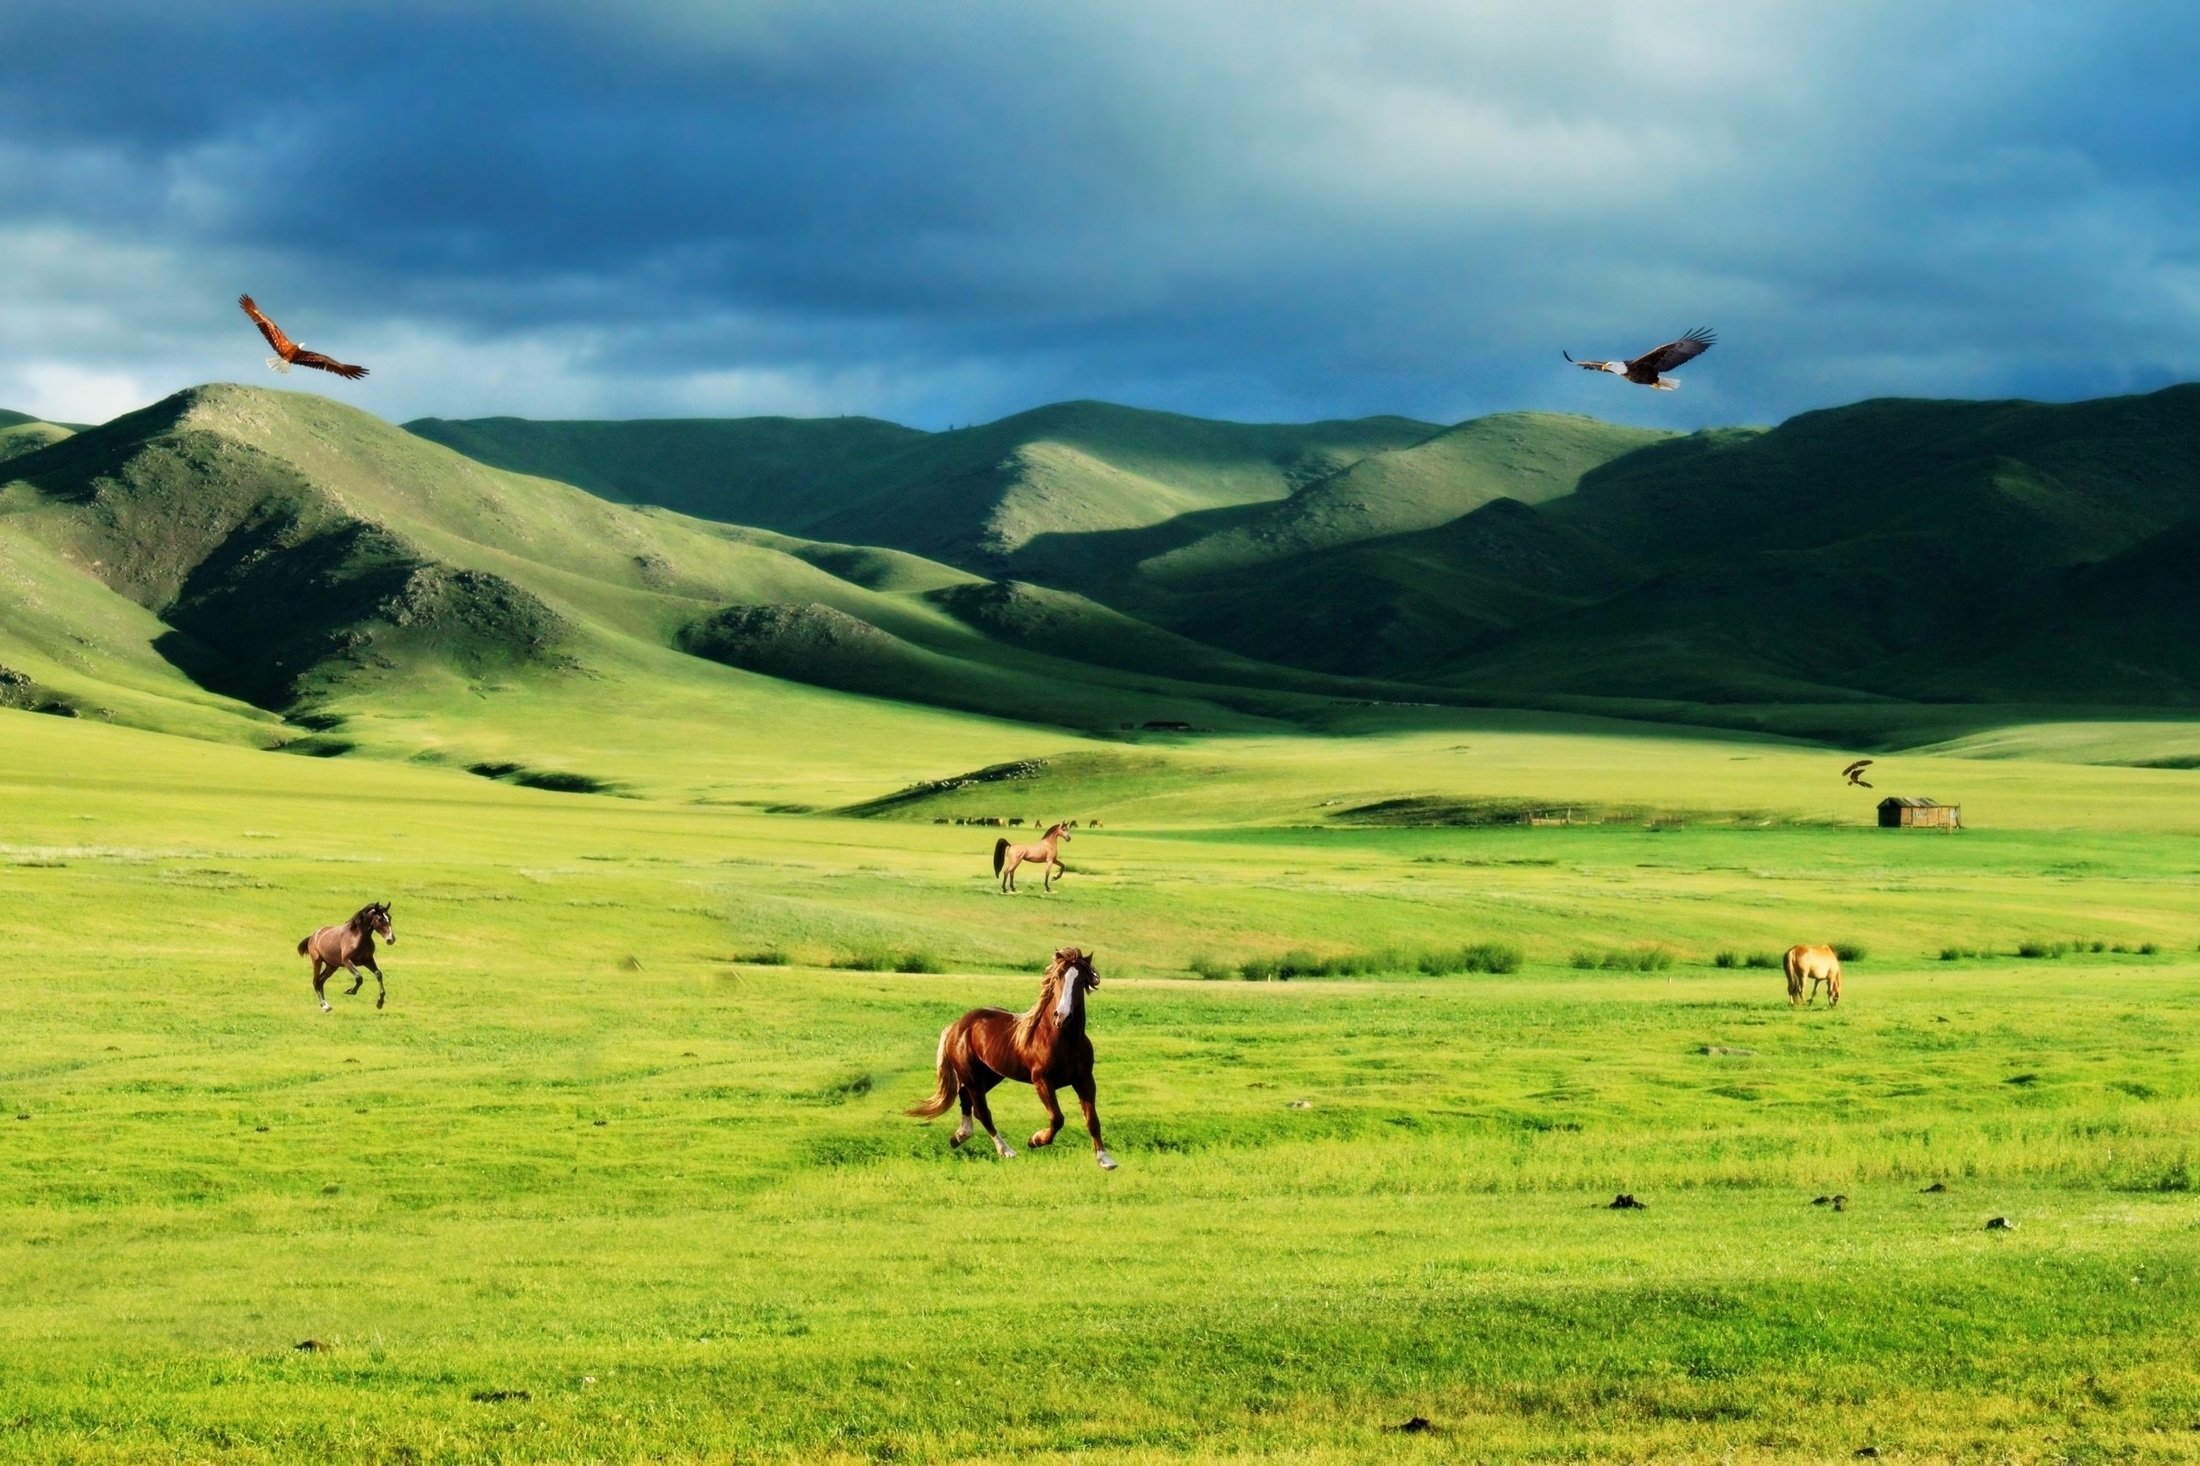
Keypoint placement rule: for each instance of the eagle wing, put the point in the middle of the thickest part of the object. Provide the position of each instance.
(284, 346)
(1851, 770)
(343, 369)
(1674, 353)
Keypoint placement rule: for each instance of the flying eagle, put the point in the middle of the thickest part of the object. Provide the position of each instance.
(1854, 773)
(289, 353)
(1644, 369)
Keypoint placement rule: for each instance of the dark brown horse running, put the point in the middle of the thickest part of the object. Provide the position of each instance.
(1045, 1048)
(1007, 857)
(350, 945)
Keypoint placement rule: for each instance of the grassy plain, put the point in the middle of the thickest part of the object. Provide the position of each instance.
(599, 1186)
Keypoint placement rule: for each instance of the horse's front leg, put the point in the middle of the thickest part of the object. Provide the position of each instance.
(381, 989)
(358, 978)
(1054, 1113)
(1085, 1097)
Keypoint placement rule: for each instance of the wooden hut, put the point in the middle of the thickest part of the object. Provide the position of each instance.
(1898, 813)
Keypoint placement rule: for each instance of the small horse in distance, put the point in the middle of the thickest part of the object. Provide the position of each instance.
(1818, 965)
(1007, 857)
(348, 945)
(1045, 1048)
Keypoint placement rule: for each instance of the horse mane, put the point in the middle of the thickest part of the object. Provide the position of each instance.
(1050, 989)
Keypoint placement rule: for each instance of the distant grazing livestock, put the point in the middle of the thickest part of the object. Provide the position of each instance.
(1045, 1048)
(1007, 857)
(1817, 965)
(348, 945)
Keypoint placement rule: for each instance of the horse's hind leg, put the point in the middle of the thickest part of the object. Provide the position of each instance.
(1054, 1113)
(1086, 1096)
(985, 1118)
(320, 976)
(962, 1131)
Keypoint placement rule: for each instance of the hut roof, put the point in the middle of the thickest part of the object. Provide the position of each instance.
(1898, 801)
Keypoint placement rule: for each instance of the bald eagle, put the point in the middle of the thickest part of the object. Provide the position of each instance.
(289, 353)
(1644, 369)
(1854, 773)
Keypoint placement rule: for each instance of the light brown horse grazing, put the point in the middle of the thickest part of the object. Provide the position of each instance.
(1045, 1048)
(348, 945)
(1819, 965)
(1007, 857)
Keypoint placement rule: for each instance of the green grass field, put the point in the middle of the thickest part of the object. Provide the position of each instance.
(601, 1185)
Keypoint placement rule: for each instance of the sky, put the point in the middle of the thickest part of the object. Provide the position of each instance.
(945, 211)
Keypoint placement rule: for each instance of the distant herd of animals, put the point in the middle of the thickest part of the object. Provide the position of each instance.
(1046, 1047)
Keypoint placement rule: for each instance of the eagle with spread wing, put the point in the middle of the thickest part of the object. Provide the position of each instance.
(1854, 773)
(289, 353)
(1644, 370)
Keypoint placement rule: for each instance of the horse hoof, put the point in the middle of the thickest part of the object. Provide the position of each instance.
(377, 1002)
(1008, 1152)
(1107, 1162)
(325, 1008)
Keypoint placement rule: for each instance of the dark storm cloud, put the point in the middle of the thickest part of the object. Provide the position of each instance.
(947, 211)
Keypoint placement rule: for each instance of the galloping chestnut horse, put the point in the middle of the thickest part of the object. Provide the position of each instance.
(348, 945)
(1816, 965)
(1045, 1048)
(1007, 857)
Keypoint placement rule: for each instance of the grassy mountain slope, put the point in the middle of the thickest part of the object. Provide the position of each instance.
(21, 434)
(71, 645)
(1857, 552)
(1395, 607)
(1866, 549)
(303, 557)
(785, 473)
(972, 496)
(2123, 630)
(1526, 456)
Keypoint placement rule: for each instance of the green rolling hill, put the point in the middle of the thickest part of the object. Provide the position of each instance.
(1529, 457)
(1874, 550)
(978, 497)
(274, 567)
(1859, 553)
(21, 433)
(248, 556)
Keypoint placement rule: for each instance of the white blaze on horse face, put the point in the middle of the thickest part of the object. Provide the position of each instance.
(1068, 1000)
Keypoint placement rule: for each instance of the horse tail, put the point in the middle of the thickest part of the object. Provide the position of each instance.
(304, 942)
(1000, 854)
(950, 1086)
